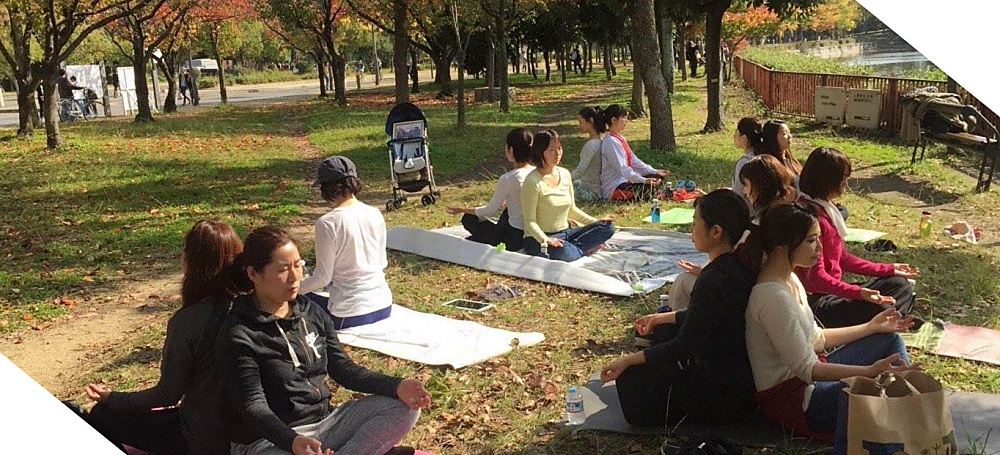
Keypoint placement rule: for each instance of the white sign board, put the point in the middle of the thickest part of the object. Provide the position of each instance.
(126, 86)
(863, 108)
(830, 104)
(86, 76)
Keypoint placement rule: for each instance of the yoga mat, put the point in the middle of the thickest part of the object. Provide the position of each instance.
(927, 338)
(977, 422)
(435, 340)
(634, 261)
(676, 215)
(855, 235)
(973, 343)
(604, 413)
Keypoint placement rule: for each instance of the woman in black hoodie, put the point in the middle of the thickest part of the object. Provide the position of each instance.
(277, 349)
(186, 370)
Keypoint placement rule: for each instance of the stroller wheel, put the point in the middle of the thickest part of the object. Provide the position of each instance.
(391, 205)
(427, 199)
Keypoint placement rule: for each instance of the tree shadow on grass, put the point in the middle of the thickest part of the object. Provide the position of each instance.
(921, 194)
(140, 355)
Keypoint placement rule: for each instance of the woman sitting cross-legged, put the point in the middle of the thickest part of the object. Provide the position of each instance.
(836, 302)
(277, 351)
(509, 229)
(796, 387)
(547, 202)
(196, 425)
(697, 368)
(625, 177)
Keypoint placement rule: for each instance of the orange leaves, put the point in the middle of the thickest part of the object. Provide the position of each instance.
(741, 25)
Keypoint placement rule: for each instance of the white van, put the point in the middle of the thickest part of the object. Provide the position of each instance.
(206, 65)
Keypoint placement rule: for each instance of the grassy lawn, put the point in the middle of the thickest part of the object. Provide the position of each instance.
(113, 206)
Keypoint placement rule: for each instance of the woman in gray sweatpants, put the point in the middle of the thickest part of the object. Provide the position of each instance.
(276, 351)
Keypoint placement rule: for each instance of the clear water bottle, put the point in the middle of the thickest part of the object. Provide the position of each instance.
(544, 250)
(654, 211)
(574, 407)
(664, 304)
(925, 224)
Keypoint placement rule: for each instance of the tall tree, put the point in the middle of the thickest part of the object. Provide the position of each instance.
(647, 59)
(214, 17)
(603, 21)
(320, 19)
(20, 22)
(400, 49)
(146, 29)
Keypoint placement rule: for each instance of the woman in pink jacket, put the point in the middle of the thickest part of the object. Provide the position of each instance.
(835, 302)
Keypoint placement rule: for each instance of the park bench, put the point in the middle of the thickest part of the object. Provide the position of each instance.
(945, 120)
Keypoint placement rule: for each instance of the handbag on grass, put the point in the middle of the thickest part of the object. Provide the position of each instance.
(894, 413)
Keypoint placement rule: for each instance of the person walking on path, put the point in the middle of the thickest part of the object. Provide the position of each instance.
(692, 57)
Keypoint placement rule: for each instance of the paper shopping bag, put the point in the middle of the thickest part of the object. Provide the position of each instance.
(903, 413)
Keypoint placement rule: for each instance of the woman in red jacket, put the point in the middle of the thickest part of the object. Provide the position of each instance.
(835, 302)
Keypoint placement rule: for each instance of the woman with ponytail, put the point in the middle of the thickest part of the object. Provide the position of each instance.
(797, 365)
(277, 352)
(587, 175)
(776, 140)
(186, 370)
(697, 367)
(748, 139)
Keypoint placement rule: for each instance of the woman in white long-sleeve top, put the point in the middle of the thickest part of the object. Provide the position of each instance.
(625, 177)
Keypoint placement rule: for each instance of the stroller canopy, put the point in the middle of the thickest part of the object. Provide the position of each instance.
(403, 112)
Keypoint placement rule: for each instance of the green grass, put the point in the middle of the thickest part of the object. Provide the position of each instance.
(501, 405)
(788, 59)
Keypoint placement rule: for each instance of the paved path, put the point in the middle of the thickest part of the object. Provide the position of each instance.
(235, 93)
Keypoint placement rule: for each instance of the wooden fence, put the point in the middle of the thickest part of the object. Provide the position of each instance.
(794, 93)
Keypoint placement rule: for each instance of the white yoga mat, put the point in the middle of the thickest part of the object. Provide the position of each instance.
(435, 340)
(635, 261)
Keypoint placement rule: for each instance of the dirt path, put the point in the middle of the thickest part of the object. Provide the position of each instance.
(61, 352)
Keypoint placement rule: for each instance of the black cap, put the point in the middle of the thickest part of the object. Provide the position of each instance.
(335, 168)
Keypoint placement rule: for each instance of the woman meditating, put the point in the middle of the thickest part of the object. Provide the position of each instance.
(835, 302)
(765, 182)
(350, 250)
(747, 138)
(776, 140)
(509, 229)
(587, 175)
(625, 177)
(194, 426)
(796, 386)
(547, 202)
(277, 352)
(697, 367)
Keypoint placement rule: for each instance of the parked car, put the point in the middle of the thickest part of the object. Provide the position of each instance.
(205, 65)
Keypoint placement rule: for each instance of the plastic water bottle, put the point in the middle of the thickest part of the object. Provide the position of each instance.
(654, 211)
(664, 304)
(574, 407)
(925, 224)
(545, 250)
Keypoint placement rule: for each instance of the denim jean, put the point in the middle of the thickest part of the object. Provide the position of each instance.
(576, 241)
(822, 411)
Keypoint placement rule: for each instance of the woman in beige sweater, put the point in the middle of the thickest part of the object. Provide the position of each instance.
(547, 202)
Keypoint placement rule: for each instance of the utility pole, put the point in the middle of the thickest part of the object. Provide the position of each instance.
(156, 83)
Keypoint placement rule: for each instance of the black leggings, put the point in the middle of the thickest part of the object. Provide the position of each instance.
(490, 233)
(833, 311)
(157, 432)
(648, 391)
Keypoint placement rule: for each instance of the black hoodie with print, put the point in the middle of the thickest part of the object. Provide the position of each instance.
(276, 368)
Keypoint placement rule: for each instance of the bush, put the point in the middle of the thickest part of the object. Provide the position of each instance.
(304, 66)
(793, 61)
(207, 82)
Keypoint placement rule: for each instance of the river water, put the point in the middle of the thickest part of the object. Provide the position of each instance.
(896, 64)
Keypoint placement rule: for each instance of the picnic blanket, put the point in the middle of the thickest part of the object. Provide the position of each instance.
(953, 340)
(974, 415)
(634, 261)
(676, 215)
(856, 235)
(435, 340)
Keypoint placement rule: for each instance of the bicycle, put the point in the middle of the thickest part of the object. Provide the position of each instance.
(69, 110)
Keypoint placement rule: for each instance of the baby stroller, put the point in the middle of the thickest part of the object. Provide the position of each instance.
(409, 160)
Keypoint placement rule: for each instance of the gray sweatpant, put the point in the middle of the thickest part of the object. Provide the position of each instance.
(369, 426)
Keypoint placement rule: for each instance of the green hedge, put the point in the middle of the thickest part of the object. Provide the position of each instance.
(791, 60)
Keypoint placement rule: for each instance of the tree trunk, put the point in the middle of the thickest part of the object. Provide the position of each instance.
(502, 49)
(321, 71)
(144, 113)
(460, 60)
(491, 73)
(638, 107)
(590, 56)
(548, 66)
(26, 112)
(50, 110)
(222, 71)
(338, 67)
(562, 59)
(532, 65)
(414, 72)
(400, 50)
(681, 47)
(607, 61)
(442, 66)
(647, 58)
(713, 65)
(665, 39)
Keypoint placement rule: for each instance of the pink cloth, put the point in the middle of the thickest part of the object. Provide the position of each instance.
(826, 276)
